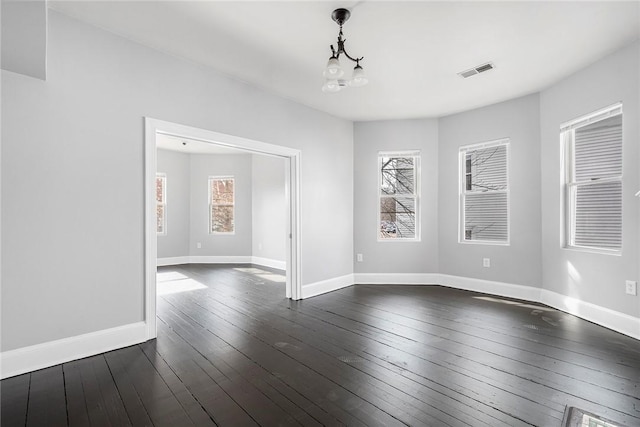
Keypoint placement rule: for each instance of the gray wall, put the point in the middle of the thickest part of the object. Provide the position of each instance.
(520, 262)
(397, 256)
(269, 207)
(202, 167)
(592, 277)
(176, 166)
(73, 148)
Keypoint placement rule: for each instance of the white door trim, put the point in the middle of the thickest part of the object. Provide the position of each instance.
(292, 176)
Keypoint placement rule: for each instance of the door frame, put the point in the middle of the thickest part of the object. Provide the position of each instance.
(292, 185)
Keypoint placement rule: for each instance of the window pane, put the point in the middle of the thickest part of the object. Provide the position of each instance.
(598, 215)
(222, 191)
(486, 217)
(486, 169)
(397, 175)
(160, 189)
(397, 217)
(485, 197)
(222, 219)
(598, 149)
(160, 218)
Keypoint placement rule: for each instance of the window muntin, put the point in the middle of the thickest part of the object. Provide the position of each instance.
(161, 204)
(593, 181)
(221, 205)
(484, 192)
(398, 201)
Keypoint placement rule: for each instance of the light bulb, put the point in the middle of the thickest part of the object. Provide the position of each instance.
(358, 78)
(331, 86)
(333, 70)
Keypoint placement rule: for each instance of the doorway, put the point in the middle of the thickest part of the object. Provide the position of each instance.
(154, 127)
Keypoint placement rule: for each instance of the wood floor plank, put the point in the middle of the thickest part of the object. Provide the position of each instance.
(158, 400)
(189, 403)
(74, 389)
(47, 401)
(14, 395)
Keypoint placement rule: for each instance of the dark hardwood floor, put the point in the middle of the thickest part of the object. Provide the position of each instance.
(232, 351)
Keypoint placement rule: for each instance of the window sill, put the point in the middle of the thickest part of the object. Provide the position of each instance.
(483, 242)
(593, 250)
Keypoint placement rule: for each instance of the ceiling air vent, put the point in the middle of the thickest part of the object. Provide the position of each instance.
(476, 70)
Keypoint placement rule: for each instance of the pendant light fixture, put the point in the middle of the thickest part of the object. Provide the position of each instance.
(333, 73)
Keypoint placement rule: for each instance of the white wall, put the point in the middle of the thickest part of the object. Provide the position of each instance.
(269, 208)
(394, 257)
(24, 37)
(592, 277)
(520, 262)
(237, 166)
(72, 176)
(176, 166)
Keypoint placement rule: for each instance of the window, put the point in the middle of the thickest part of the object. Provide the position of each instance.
(593, 180)
(161, 204)
(221, 205)
(484, 192)
(398, 196)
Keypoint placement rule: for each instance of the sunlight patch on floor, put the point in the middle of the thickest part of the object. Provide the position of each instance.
(167, 276)
(263, 274)
(172, 282)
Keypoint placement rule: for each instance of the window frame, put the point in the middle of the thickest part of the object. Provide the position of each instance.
(415, 154)
(210, 180)
(162, 176)
(570, 185)
(462, 190)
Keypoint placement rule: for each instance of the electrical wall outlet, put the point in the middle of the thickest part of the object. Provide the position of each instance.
(199, 245)
(486, 262)
(631, 287)
(359, 257)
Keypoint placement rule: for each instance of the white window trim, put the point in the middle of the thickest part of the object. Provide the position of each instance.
(417, 166)
(462, 190)
(226, 177)
(568, 183)
(164, 204)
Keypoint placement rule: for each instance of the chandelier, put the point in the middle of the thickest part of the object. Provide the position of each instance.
(333, 73)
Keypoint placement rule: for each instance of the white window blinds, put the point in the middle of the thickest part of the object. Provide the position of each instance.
(485, 192)
(593, 152)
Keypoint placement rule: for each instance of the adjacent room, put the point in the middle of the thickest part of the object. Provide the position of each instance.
(369, 213)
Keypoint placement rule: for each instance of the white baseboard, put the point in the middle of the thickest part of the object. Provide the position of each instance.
(176, 260)
(397, 278)
(231, 259)
(619, 322)
(39, 356)
(240, 259)
(611, 319)
(267, 262)
(509, 290)
(328, 285)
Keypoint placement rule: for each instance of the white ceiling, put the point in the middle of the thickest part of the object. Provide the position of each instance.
(412, 50)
